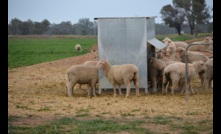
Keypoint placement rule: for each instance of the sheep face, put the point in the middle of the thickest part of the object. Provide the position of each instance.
(180, 52)
(171, 48)
(208, 40)
(166, 40)
(200, 66)
(159, 54)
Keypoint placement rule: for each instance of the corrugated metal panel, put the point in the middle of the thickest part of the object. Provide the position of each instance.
(155, 42)
(121, 41)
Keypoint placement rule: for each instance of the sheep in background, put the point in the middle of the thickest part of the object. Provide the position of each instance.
(82, 75)
(121, 74)
(175, 74)
(171, 50)
(168, 61)
(192, 56)
(90, 63)
(155, 71)
(78, 47)
(208, 73)
(200, 47)
(160, 54)
(177, 43)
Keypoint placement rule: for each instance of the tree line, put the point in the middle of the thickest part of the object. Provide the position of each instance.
(193, 13)
(184, 16)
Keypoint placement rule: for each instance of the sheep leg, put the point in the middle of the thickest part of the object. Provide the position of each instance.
(201, 79)
(190, 87)
(167, 85)
(94, 87)
(136, 83)
(70, 88)
(114, 86)
(154, 83)
(164, 84)
(119, 89)
(174, 84)
(89, 91)
(127, 83)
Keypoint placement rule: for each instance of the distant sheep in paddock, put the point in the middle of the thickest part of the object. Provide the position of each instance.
(82, 75)
(121, 74)
(175, 74)
(78, 47)
(192, 56)
(199, 47)
(155, 71)
(177, 43)
(208, 73)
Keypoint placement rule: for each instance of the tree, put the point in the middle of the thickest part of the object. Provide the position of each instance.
(174, 17)
(84, 27)
(196, 12)
(15, 26)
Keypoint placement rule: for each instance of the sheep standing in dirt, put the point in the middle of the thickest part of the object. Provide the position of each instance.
(175, 74)
(192, 56)
(200, 46)
(121, 74)
(155, 72)
(78, 47)
(82, 75)
(89, 63)
(209, 73)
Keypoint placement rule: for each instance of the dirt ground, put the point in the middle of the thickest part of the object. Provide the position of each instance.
(37, 92)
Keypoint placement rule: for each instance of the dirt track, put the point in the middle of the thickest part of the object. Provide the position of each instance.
(38, 91)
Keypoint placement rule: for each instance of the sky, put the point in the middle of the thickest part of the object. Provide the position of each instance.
(56, 11)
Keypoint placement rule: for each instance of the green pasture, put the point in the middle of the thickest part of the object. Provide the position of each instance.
(24, 51)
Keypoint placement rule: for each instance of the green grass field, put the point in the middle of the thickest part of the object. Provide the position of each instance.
(29, 50)
(24, 51)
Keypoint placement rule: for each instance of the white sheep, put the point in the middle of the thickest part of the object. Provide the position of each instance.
(199, 47)
(82, 75)
(89, 63)
(177, 43)
(192, 55)
(78, 47)
(121, 74)
(171, 50)
(209, 73)
(175, 74)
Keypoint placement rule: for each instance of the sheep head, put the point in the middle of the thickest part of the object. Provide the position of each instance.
(165, 40)
(207, 41)
(171, 48)
(104, 65)
(199, 66)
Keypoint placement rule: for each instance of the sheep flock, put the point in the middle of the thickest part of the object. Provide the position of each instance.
(166, 70)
